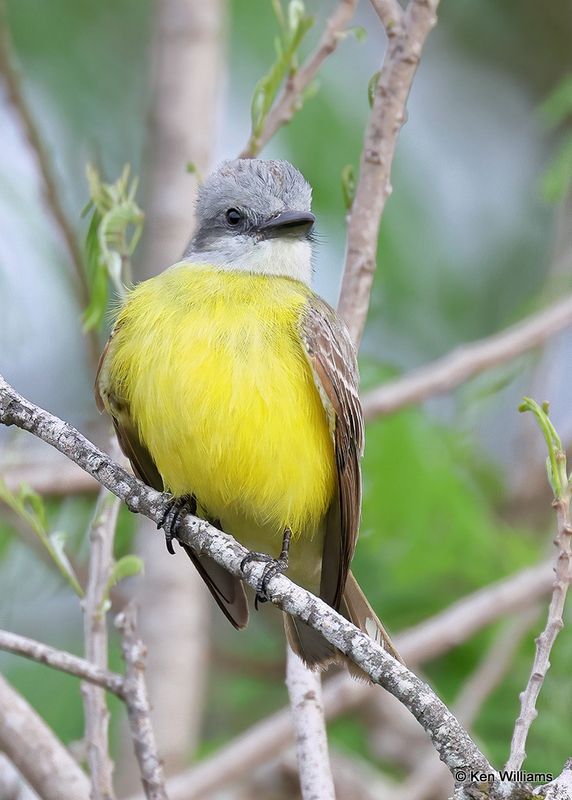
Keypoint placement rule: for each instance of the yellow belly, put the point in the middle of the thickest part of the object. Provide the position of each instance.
(219, 386)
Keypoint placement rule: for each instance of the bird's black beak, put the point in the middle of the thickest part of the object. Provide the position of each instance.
(288, 223)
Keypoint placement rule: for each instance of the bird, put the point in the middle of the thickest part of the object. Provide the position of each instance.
(233, 386)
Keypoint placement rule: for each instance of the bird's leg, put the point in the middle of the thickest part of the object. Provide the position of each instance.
(274, 566)
(187, 504)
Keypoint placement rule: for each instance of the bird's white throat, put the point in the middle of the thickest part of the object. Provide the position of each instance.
(285, 257)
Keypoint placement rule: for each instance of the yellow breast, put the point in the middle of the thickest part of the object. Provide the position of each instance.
(218, 383)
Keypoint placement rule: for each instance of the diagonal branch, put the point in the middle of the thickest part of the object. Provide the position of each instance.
(266, 739)
(289, 101)
(467, 361)
(36, 752)
(62, 660)
(453, 743)
(405, 42)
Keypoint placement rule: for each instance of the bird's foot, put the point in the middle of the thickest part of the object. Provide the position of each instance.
(274, 566)
(171, 519)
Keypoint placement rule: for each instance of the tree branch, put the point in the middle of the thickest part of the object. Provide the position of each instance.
(429, 779)
(288, 102)
(101, 536)
(267, 738)
(405, 43)
(12, 785)
(546, 640)
(138, 709)
(63, 661)
(454, 745)
(306, 705)
(36, 752)
(467, 361)
(390, 14)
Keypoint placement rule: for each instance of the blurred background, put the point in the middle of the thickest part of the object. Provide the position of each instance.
(476, 235)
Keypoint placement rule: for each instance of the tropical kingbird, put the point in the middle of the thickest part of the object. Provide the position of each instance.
(234, 387)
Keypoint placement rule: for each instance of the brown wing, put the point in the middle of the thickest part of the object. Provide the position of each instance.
(226, 589)
(333, 360)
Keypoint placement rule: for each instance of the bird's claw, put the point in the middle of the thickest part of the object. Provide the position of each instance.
(170, 521)
(274, 566)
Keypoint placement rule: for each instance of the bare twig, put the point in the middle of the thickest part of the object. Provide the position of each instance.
(428, 640)
(547, 638)
(289, 100)
(101, 536)
(61, 660)
(467, 361)
(305, 693)
(387, 116)
(49, 182)
(36, 752)
(429, 778)
(138, 709)
(454, 745)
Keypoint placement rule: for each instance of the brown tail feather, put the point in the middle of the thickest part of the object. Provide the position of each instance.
(356, 608)
(315, 651)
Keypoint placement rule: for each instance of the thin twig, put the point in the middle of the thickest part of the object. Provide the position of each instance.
(373, 188)
(289, 100)
(306, 704)
(429, 779)
(101, 536)
(62, 660)
(49, 182)
(545, 641)
(467, 361)
(36, 752)
(138, 708)
(266, 739)
(453, 743)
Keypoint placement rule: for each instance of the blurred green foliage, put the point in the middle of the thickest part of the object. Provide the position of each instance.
(114, 231)
(464, 250)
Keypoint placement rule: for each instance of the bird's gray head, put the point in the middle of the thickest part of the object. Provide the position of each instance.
(255, 216)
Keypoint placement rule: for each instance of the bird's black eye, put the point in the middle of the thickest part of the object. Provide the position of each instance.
(233, 216)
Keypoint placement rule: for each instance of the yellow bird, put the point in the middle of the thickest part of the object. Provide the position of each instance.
(234, 387)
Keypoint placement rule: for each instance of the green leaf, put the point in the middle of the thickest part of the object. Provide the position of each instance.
(115, 229)
(357, 31)
(348, 185)
(556, 461)
(29, 506)
(126, 567)
(57, 540)
(293, 27)
(371, 87)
